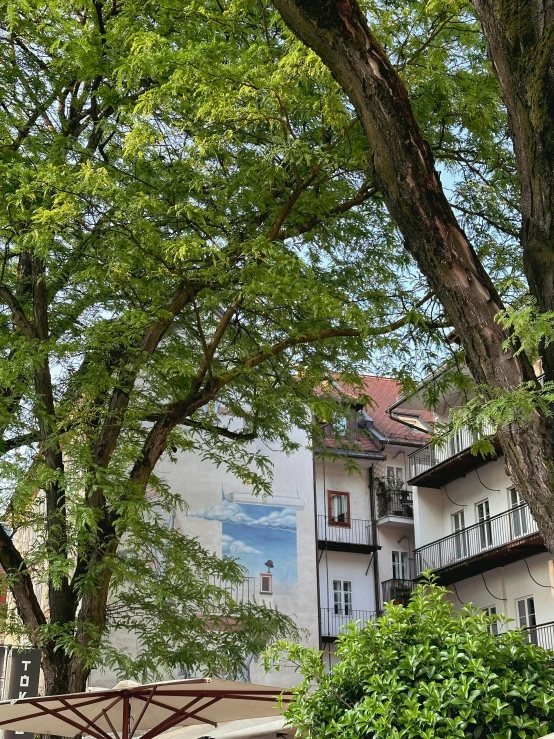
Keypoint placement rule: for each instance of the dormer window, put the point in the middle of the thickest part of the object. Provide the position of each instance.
(340, 425)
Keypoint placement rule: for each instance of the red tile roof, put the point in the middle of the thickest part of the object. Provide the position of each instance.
(362, 445)
(384, 391)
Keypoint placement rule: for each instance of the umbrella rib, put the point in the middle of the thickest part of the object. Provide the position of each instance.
(112, 727)
(85, 718)
(103, 712)
(137, 722)
(69, 721)
(183, 713)
(40, 713)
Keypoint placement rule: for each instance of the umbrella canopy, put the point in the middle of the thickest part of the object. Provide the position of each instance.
(257, 728)
(149, 709)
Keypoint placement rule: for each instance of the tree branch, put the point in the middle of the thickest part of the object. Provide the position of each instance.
(21, 585)
(18, 314)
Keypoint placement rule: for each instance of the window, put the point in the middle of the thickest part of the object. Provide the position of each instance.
(519, 515)
(395, 477)
(339, 508)
(340, 425)
(485, 527)
(400, 565)
(266, 583)
(526, 618)
(342, 597)
(460, 541)
(493, 627)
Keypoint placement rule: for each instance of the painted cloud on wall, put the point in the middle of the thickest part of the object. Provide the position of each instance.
(256, 532)
(227, 512)
(235, 547)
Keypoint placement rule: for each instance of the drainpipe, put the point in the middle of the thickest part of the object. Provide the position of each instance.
(316, 554)
(376, 582)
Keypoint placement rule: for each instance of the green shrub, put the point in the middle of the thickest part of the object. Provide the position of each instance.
(424, 670)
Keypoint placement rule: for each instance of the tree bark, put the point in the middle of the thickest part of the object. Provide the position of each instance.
(520, 38)
(401, 164)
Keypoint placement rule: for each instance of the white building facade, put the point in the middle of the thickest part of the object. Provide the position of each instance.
(476, 533)
(352, 524)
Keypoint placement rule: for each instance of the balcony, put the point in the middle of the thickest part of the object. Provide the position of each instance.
(497, 541)
(335, 619)
(352, 535)
(542, 635)
(398, 591)
(239, 592)
(433, 466)
(394, 503)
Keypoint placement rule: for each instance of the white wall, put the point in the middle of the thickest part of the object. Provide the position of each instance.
(434, 508)
(332, 475)
(507, 584)
(349, 566)
(393, 538)
(428, 515)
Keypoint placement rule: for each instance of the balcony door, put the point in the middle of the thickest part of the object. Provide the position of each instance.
(460, 540)
(395, 477)
(519, 516)
(526, 616)
(492, 628)
(342, 597)
(485, 526)
(400, 565)
(339, 508)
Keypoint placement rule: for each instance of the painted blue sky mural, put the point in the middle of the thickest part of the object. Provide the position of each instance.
(254, 533)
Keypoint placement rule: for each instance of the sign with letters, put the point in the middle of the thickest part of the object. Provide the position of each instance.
(23, 682)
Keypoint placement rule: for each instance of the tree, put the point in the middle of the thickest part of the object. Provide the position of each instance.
(402, 167)
(423, 670)
(183, 211)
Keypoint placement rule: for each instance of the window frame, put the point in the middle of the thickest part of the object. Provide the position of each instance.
(403, 564)
(491, 611)
(269, 576)
(344, 524)
(460, 541)
(485, 526)
(340, 606)
(530, 629)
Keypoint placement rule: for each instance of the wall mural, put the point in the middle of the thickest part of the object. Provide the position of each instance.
(255, 532)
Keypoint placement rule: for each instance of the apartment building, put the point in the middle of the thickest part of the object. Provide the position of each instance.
(475, 532)
(365, 520)
(333, 541)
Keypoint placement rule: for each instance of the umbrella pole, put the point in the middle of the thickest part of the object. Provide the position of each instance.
(126, 717)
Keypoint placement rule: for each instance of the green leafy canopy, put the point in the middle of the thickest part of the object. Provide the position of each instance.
(189, 235)
(423, 670)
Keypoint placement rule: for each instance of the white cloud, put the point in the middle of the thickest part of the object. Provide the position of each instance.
(235, 547)
(283, 519)
(226, 511)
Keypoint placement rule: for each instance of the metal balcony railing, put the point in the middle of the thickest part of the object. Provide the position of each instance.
(334, 619)
(241, 592)
(393, 501)
(432, 455)
(397, 590)
(474, 540)
(352, 531)
(542, 635)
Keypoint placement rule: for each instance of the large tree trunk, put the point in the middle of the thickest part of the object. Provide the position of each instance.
(402, 165)
(520, 38)
(62, 673)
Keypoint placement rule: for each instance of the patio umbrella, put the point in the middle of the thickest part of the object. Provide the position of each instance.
(129, 708)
